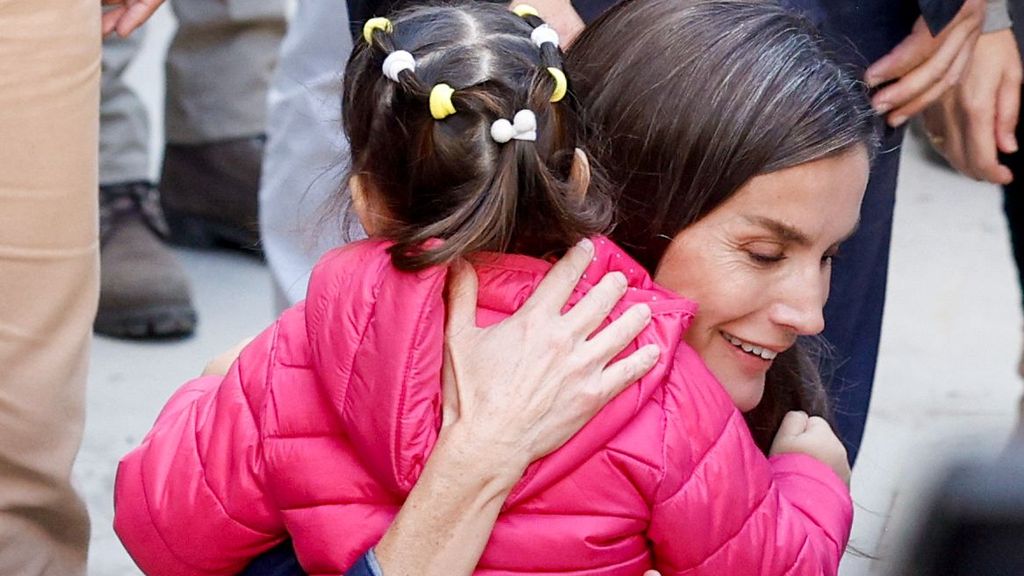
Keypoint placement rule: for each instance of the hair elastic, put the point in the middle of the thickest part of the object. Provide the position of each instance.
(441, 105)
(522, 127)
(543, 34)
(561, 84)
(378, 23)
(524, 10)
(396, 62)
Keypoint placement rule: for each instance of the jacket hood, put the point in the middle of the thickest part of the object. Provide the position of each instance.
(377, 338)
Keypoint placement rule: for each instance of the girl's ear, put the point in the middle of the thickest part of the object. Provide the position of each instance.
(362, 203)
(579, 174)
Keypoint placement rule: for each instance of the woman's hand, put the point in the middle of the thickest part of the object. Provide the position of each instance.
(124, 16)
(513, 392)
(521, 388)
(814, 437)
(922, 67)
(977, 119)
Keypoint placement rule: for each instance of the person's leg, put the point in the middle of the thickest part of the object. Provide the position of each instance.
(218, 68)
(144, 292)
(124, 124)
(306, 150)
(49, 102)
(853, 314)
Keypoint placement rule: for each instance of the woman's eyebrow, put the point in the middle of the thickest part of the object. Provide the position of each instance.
(784, 231)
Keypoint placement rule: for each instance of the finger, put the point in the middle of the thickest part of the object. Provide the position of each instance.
(907, 55)
(614, 337)
(934, 91)
(652, 573)
(554, 290)
(817, 423)
(135, 16)
(951, 55)
(451, 404)
(620, 375)
(462, 295)
(1007, 112)
(595, 306)
(793, 424)
(980, 141)
(110, 18)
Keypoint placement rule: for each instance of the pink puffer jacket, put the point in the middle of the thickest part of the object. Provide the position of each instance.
(322, 427)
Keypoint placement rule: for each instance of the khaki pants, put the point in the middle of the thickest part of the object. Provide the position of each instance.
(49, 98)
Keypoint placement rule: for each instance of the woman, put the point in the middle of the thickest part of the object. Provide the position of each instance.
(741, 210)
(747, 232)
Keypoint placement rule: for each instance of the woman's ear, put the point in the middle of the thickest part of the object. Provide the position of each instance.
(579, 174)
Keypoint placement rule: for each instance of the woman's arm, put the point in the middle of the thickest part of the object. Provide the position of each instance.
(514, 392)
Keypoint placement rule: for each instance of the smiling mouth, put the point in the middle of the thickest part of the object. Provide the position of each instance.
(762, 353)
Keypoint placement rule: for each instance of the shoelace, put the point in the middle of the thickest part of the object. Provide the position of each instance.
(123, 200)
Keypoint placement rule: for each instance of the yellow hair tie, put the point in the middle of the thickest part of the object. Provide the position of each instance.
(441, 105)
(378, 23)
(524, 10)
(561, 84)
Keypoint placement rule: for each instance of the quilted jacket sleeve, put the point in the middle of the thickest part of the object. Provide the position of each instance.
(189, 499)
(723, 508)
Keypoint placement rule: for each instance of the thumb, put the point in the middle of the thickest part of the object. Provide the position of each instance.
(793, 424)
(462, 294)
(652, 573)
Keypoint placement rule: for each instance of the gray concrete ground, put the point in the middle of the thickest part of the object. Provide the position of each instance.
(946, 382)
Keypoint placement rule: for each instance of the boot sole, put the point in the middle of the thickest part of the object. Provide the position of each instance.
(160, 322)
(194, 232)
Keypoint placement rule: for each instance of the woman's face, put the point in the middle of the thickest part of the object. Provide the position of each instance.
(759, 266)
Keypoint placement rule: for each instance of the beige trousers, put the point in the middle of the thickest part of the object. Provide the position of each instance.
(49, 102)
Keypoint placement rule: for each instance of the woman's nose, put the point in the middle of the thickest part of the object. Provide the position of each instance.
(800, 306)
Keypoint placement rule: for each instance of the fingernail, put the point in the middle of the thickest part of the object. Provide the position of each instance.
(897, 121)
(651, 353)
(645, 312)
(586, 245)
(620, 280)
(882, 107)
(1013, 145)
(870, 79)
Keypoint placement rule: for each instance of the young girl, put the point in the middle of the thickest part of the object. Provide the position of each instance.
(464, 140)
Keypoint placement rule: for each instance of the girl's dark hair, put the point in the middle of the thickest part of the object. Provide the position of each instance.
(449, 179)
(686, 102)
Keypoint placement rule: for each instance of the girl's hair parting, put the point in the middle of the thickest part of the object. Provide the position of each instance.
(433, 109)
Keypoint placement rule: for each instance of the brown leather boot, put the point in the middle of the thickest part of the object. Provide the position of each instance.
(144, 292)
(209, 193)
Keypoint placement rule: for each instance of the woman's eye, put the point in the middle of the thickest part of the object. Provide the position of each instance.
(766, 257)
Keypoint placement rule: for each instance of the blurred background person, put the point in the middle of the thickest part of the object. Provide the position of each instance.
(975, 128)
(49, 257)
(218, 67)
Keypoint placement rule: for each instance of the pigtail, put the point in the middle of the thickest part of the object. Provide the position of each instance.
(472, 141)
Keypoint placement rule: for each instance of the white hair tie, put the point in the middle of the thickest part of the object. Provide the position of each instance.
(396, 62)
(543, 34)
(522, 127)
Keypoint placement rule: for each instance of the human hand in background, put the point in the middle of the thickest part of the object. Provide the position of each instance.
(813, 436)
(219, 366)
(517, 390)
(124, 16)
(977, 119)
(922, 67)
(560, 15)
